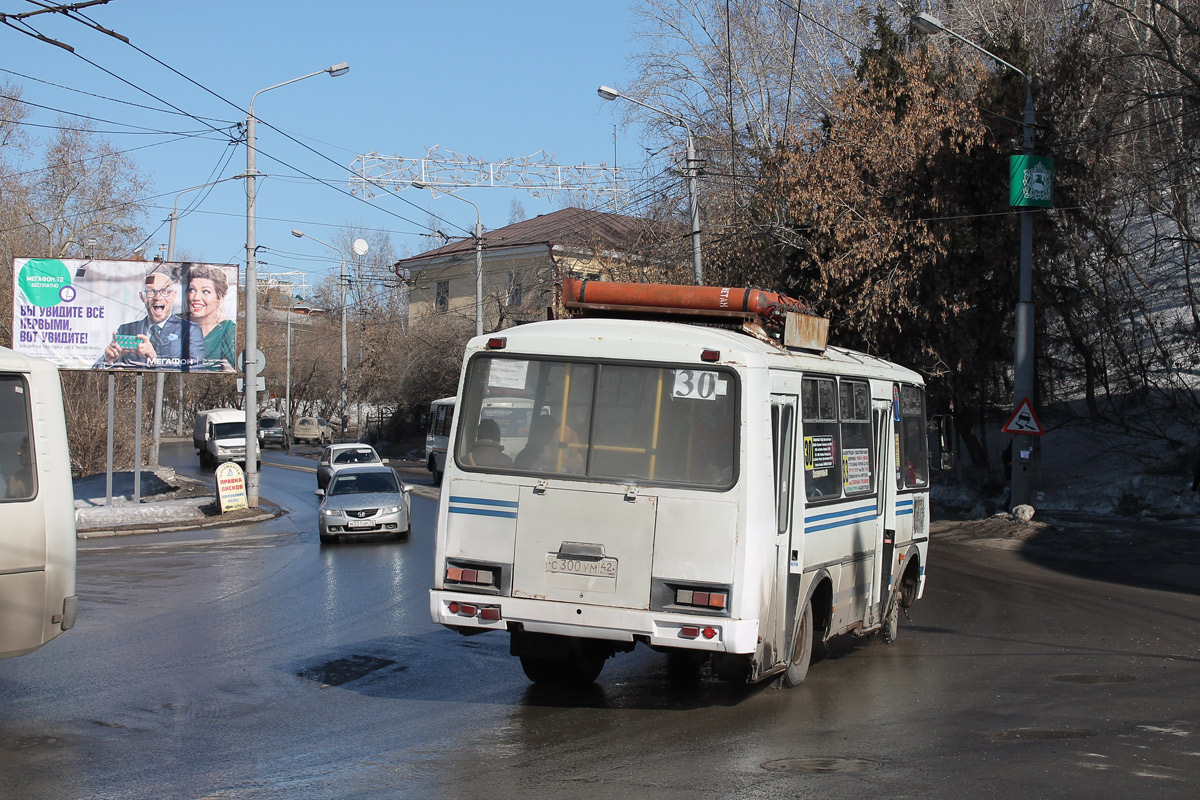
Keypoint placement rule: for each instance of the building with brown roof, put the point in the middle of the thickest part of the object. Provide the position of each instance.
(524, 264)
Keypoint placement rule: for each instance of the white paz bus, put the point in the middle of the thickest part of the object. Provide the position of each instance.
(705, 489)
(37, 545)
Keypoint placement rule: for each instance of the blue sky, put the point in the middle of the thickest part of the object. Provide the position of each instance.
(492, 80)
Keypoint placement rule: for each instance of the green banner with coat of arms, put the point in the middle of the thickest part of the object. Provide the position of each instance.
(1031, 181)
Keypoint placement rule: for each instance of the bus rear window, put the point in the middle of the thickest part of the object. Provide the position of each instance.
(615, 422)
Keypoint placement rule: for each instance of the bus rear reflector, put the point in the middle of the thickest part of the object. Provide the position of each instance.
(485, 613)
(710, 355)
(689, 632)
(496, 343)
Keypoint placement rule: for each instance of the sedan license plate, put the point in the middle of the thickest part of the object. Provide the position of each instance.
(359, 524)
(598, 568)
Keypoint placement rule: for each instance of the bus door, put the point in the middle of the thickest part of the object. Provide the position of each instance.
(885, 497)
(789, 540)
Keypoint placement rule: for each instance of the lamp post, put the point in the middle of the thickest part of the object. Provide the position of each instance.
(287, 374)
(1023, 350)
(478, 256)
(609, 93)
(250, 373)
(360, 248)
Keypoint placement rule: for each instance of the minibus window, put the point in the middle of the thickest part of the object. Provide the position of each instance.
(914, 453)
(18, 467)
(615, 422)
(854, 401)
(818, 408)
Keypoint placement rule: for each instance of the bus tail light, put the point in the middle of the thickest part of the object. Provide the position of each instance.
(476, 576)
(692, 597)
(485, 613)
(716, 600)
(497, 343)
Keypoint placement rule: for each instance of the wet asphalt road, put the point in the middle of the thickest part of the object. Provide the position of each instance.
(254, 663)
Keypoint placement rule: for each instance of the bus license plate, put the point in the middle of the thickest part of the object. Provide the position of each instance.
(359, 524)
(599, 568)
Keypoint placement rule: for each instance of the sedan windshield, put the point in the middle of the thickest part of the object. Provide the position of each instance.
(363, 483)
(355, 457)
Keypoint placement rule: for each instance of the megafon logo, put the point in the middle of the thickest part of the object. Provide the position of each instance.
(45, 282)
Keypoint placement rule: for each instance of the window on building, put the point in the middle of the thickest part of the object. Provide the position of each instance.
(516, 291)
(441, 296)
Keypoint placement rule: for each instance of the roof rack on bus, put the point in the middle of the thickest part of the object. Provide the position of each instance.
(770, 316)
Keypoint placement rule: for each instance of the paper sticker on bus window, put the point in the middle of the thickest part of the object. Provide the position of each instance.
(818, 452)
(506, 373)
(695, 384)
(856, 470)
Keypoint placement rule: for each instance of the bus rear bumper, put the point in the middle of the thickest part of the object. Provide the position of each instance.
(477, 613)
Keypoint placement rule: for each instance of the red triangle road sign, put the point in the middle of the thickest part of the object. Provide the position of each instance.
(1024, 421)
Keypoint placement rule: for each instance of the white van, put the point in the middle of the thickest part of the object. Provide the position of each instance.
(37, 561)
(219, 435)
(710, 492)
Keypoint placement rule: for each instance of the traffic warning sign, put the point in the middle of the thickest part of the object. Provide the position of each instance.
(1023, 421)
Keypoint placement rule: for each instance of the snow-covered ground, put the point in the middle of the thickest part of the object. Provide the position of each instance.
(1089, 472)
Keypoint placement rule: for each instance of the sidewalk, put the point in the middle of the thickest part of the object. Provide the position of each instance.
(170, 502)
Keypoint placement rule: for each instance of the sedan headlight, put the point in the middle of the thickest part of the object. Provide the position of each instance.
(392, 510)
(331, 512)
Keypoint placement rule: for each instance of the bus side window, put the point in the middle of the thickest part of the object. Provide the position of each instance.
(818, 410)
(18, 476)
(914, 454)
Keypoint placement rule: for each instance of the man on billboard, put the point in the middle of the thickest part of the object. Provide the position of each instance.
(161, 339)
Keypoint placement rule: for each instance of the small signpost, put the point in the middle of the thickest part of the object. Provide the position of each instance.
(231, 487)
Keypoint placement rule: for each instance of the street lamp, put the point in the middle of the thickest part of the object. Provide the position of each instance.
(1023, 351)
(478, 256)
(250, 373)
(360, 249)
(609, 93)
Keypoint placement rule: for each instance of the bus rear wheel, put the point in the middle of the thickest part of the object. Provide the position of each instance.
(579, 669)
(797, 668)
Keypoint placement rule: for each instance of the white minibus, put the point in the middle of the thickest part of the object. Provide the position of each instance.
(732, 491)
(441, 415)
(37, 552)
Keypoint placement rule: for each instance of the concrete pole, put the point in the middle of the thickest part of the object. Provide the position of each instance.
(694, 203)
(249, 373)
(478, 273)
(1023, 356)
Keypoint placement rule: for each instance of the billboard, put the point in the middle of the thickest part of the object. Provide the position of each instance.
(150, 316)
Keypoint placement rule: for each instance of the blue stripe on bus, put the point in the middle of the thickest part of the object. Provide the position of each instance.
(470, 505)
(483, 501)
(904, 507)
(483, 512)
(838, 519)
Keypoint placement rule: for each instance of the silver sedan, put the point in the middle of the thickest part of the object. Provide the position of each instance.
(363, 500)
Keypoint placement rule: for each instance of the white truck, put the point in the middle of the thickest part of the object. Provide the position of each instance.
(219, 435)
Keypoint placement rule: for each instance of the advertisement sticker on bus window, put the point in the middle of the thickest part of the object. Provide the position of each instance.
(694, 384)
(506, 373)
(856, 470)
(818, 452)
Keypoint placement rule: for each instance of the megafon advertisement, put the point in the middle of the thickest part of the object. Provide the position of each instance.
(147, 316)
